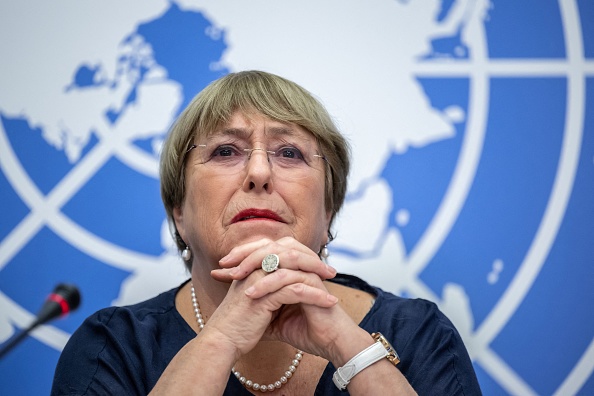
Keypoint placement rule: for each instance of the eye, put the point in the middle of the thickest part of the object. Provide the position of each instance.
(224, 154)
(289, 152)
(225, 151)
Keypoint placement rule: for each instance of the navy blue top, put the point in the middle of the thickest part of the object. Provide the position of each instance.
(124, 350)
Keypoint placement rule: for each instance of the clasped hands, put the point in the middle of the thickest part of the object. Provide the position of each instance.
(291, 304)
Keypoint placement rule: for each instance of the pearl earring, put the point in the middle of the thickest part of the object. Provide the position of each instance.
(186, 254)
(324, 253)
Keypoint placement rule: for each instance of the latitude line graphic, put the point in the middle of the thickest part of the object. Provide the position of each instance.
(45, 210)
(492, 67)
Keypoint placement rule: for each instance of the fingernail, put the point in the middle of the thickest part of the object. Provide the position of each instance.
(331, 269)
(332, 299)
(249, 291)
(233, 271)
(224, 259)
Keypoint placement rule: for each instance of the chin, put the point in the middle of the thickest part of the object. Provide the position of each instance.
(250, 231)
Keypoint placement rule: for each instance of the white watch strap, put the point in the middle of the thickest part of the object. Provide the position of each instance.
(343, 375)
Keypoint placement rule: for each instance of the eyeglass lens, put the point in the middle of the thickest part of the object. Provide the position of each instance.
(289, 158)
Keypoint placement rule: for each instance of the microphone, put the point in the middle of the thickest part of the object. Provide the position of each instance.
(64, 299)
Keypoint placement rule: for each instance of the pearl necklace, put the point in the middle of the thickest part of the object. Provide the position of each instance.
(244, 381)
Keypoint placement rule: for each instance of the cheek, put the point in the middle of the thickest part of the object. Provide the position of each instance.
(206, 201)
(318, 191)
(308, 204)
(306, 192)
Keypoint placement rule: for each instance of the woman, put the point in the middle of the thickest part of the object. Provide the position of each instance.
(252, 176)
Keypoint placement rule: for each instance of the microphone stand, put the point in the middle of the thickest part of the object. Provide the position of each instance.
(63, 299)
(18, 338)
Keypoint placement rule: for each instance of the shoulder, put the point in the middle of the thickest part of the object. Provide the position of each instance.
(432, 353)
(157, 305)
(409, 310)
(147, 324)
(416, 325)
(127, 322)
(145, 312)
(410, 322)
(123, 348)
(389, 309)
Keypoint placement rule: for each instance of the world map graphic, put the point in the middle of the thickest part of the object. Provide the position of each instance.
(472, 128)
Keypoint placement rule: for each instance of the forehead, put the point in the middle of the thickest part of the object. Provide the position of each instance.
(256, 125)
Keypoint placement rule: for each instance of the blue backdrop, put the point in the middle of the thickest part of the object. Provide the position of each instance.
(472, 126)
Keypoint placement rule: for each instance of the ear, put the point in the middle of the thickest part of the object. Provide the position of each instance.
(178, 217)
(328, 218)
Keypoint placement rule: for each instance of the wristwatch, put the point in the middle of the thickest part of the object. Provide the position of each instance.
(392, 355)
(379, 350)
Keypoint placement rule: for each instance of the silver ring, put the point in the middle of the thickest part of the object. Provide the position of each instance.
(270, 263)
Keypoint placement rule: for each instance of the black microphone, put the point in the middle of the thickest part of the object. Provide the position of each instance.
(65, 298)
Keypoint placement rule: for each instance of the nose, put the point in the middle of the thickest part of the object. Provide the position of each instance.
(258, 172)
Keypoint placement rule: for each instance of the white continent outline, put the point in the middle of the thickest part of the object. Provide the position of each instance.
(575, 68)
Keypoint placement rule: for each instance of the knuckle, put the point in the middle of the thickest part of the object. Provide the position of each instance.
(281, 273)
(292, 254)
(299, 289)
(233, 250)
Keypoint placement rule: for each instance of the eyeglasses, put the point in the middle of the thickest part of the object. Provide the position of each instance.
(229, 156)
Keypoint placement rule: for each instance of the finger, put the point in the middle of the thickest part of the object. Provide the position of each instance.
(300, 293)
(248, 258)
(289, 258)
(222, 275)
(281, 278)
(239, 253)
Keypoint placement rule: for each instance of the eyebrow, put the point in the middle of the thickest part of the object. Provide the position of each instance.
(244, 133)
(286, 131)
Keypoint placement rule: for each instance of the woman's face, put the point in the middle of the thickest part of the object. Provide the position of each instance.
(237, 192)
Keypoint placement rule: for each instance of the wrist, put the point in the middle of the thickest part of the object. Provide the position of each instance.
(380, 349)
(218, 345)
(347, 346)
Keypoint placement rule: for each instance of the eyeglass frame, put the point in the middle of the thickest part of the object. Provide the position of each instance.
(251, 150)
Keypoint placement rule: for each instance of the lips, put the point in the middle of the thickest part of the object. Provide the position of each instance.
(256, 214)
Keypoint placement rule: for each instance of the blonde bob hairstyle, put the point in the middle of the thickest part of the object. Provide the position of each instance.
(249, 92)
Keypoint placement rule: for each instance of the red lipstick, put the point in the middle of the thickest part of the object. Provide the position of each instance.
(256, 214)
